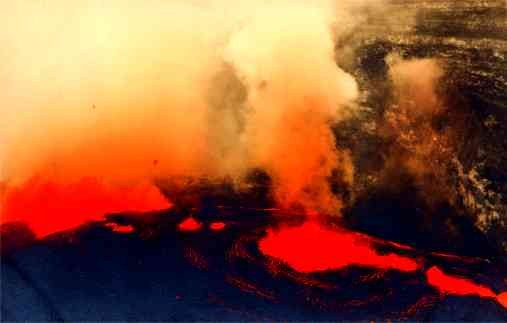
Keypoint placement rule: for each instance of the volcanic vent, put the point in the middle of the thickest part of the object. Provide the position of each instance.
(275, 160)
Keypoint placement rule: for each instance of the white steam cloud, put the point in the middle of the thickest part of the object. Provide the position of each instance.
(133, 90)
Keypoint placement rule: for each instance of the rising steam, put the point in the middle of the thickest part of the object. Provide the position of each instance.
(133, 91)
(422, 148)
(295, 90)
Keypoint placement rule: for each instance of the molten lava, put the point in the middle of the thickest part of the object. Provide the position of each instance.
(312, 247)
(460, 286)
(453, 285)
(189, 224)
(217, 226)
(48, 207)
(120, 228)
(502, 299)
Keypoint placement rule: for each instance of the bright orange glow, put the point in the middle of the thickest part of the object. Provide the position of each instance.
(189, 224)
(217, 226)
(312, 247)
(155, 89)
(48, 207)
(502, 299)
(120, 228)
(460, 286)
(454, 285)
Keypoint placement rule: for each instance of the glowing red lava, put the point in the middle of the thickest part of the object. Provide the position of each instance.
(460, 286)
(454, 285)
(120, 228)
(313, 247)
(502, 299)
(47, 207)
(189, 224)
(217, 226)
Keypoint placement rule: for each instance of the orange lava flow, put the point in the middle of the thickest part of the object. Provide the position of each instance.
(454, 285)
(120, 228)
(189, 224)
(460, 286)
(48, 207)
(217, 226)
(502, 299)
(312, 247)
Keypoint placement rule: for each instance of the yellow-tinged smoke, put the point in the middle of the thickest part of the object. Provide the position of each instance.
(295, 90)
(131, 90)
(421, 149)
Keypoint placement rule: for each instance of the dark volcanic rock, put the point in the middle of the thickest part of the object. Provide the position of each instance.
(158, 273)
(470, 39)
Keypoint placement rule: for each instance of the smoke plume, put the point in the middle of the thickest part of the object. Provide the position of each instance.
(295, 90)
(422, 147)
(132, 91)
